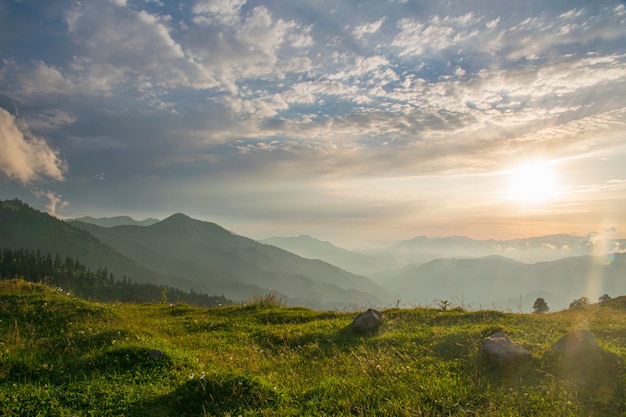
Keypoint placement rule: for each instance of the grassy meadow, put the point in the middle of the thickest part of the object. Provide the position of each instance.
(63, 356)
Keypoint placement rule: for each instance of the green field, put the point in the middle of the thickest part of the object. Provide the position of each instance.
(63, 356)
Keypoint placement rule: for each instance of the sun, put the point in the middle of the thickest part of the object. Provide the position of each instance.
(533, 182)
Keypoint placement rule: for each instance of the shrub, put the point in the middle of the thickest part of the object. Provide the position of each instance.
(579, 302)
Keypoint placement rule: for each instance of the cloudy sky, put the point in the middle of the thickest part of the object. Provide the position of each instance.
(347, 120)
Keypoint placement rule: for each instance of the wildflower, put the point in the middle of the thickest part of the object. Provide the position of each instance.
(378, 368)
(202, 375)
(192, 375)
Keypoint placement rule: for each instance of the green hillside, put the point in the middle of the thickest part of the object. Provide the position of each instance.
(63, 356)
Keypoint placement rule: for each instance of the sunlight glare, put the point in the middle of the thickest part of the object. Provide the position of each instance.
(533, 182)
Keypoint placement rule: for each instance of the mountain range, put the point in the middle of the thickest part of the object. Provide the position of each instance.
(474, 273)
(309, 247)
(238, 267)
(533, 249)
(423, 249)
(115, 221)
(502, 283)
(190, 254)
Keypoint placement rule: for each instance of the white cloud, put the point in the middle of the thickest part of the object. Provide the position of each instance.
(44, 79)
(248, 45)
(25, 157)
(81, 77)
(121, 45)
(223, 11)
(55, 201)
(417, 37)
(359, 67)
(368, 28)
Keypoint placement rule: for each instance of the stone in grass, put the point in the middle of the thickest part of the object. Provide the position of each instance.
(155, 355)
(590, 368)
(579, 354)
(367, 322)
(578, 345)
(500, 350)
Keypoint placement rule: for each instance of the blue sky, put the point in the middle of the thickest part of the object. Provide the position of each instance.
(346, 120)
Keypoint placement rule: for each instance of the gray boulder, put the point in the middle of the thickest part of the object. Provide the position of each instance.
(579, 355)
(368, 321)
(500, 350)
(588, 367)
(577, 345)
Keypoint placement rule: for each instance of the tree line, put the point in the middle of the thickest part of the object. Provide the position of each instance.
(70, 275)
(540, 305)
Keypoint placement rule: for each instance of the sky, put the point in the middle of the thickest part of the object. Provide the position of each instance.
(351, 121)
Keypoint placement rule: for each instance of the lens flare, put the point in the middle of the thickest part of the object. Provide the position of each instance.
(608, 259)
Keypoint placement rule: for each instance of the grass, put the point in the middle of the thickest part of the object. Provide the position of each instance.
(63, 356)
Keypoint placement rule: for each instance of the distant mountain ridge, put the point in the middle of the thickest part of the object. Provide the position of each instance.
(497, 281)
(211, 257)
(422, 249)
(309, 247)
(115, 221)
(543, 248)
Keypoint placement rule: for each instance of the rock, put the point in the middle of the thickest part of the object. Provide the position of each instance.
(500, 350)
(155, 355)
(578, 344)
(579, 354)
(588, 367)
(368, 321)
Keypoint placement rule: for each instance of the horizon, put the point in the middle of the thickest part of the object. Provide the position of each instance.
(604, 235)
(377, 122)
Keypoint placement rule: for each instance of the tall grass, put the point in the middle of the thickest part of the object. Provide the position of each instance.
(268, 300)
